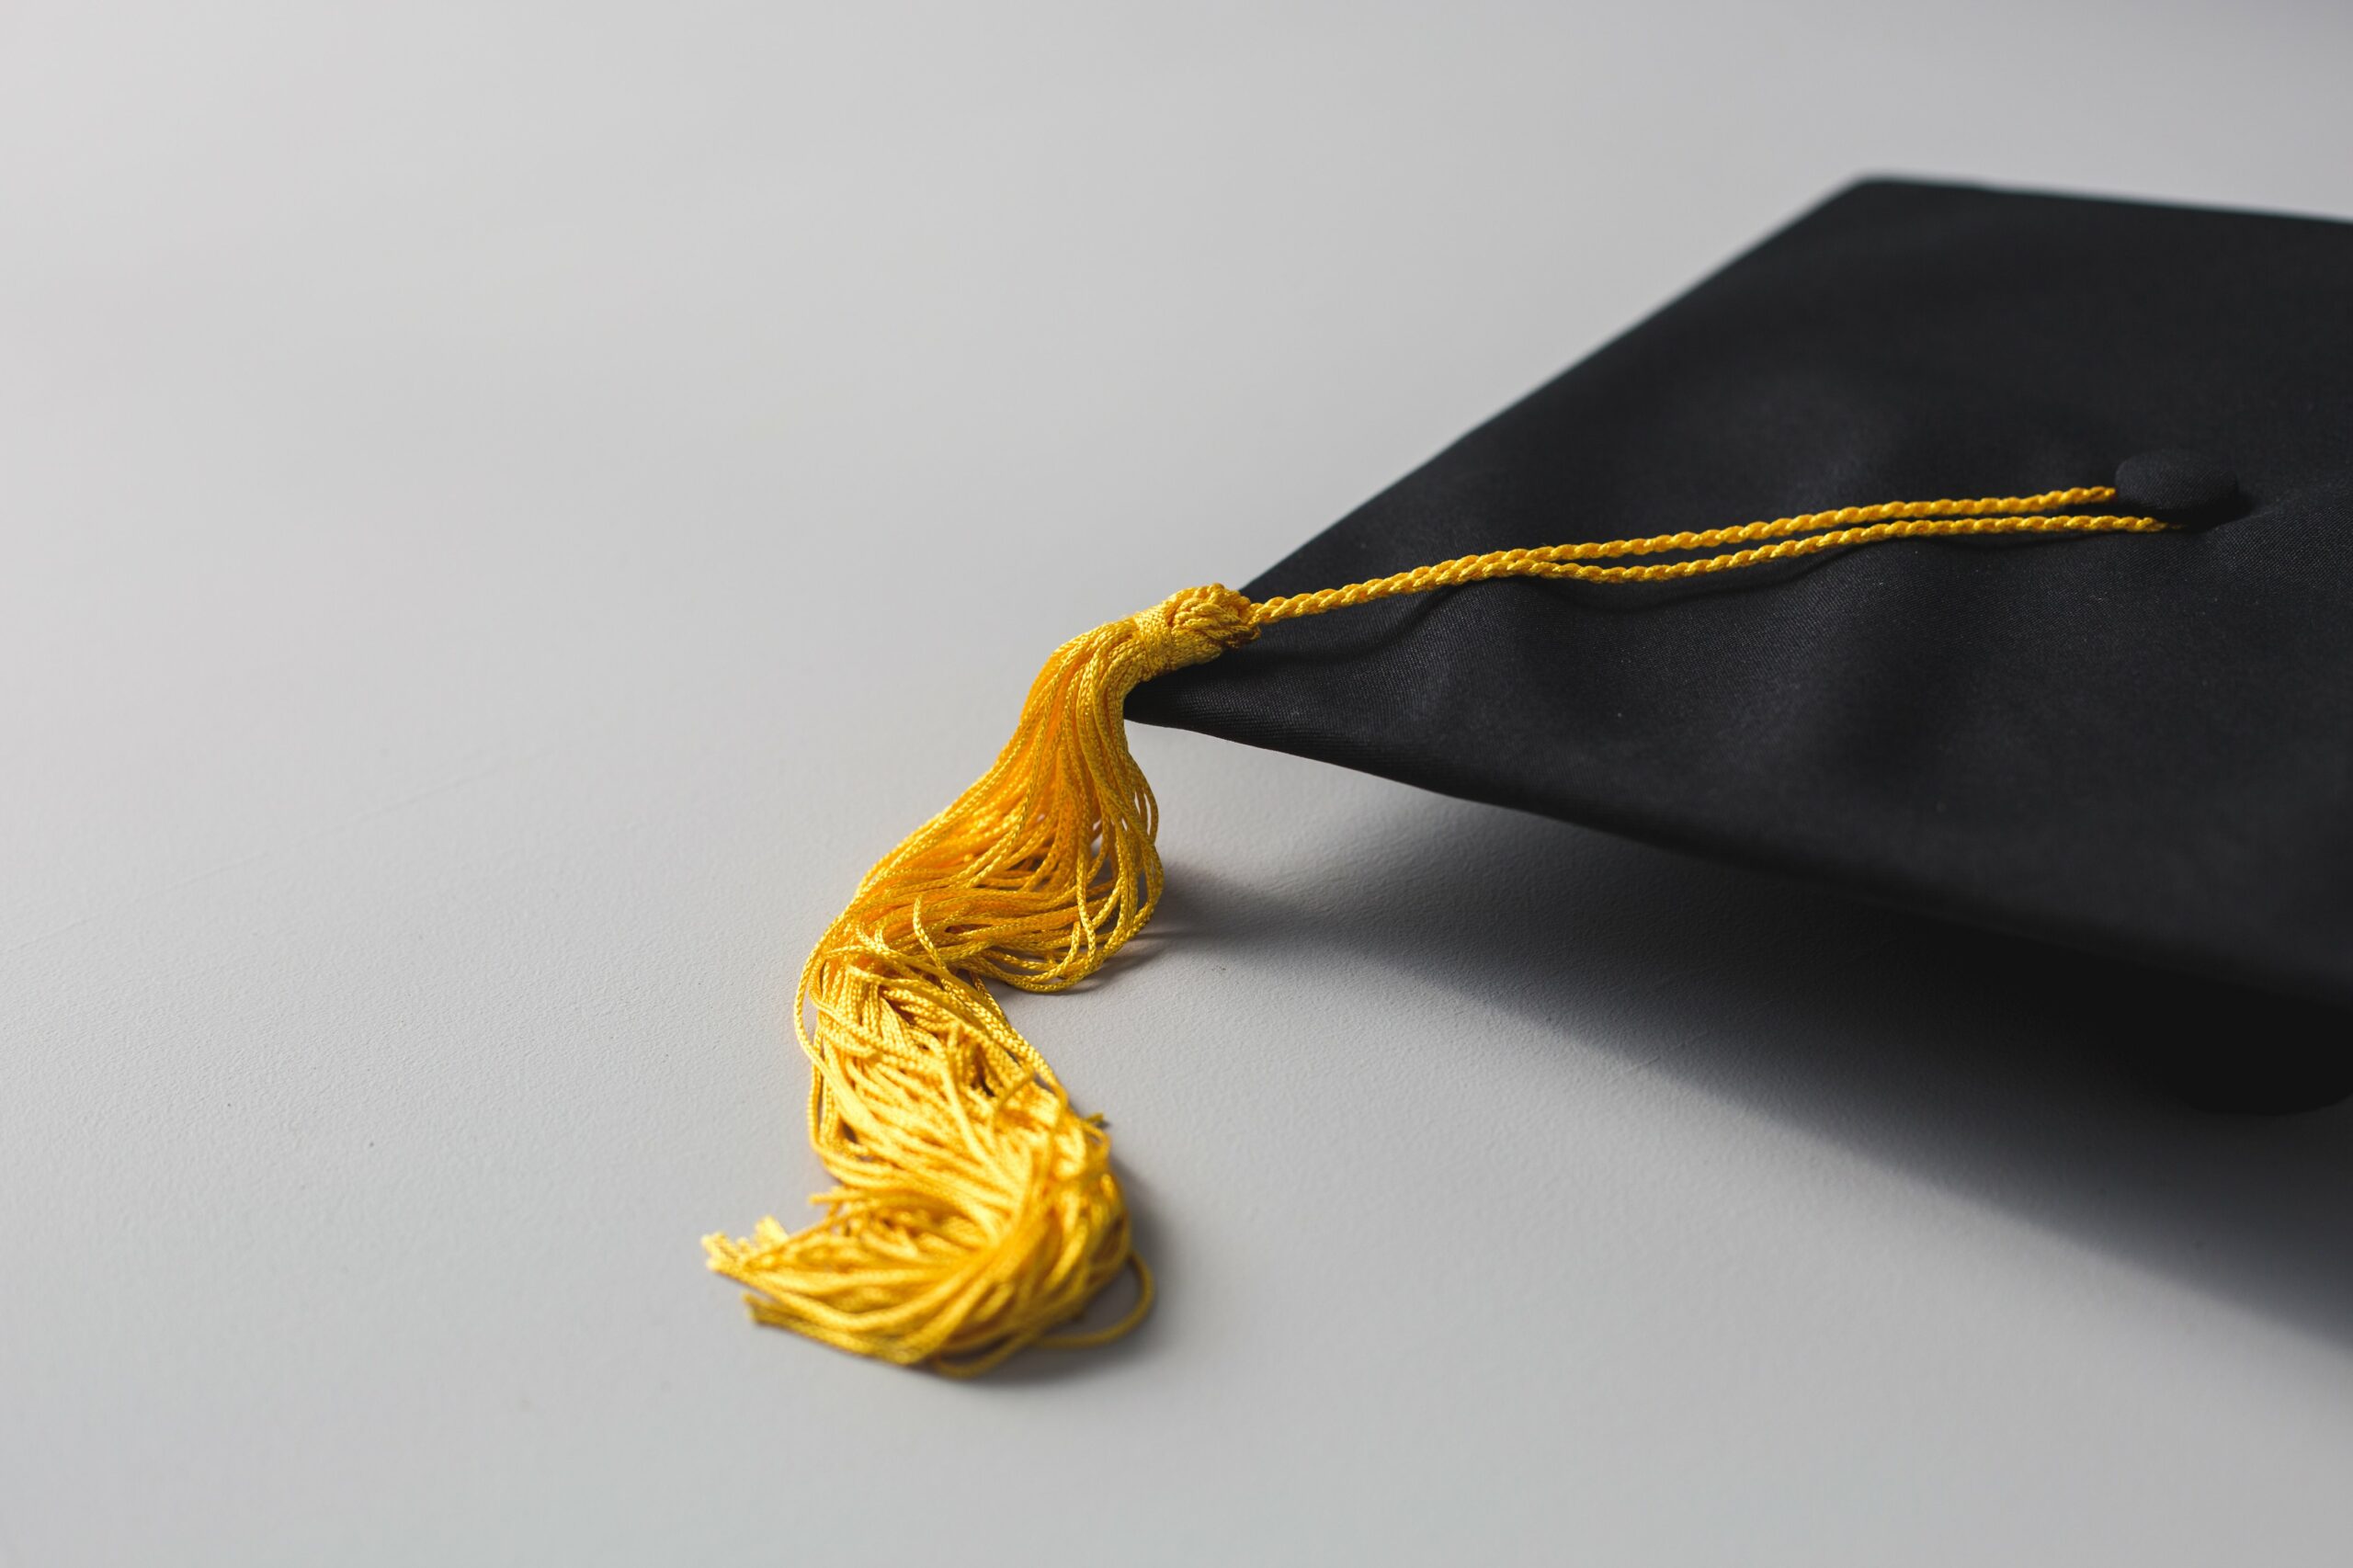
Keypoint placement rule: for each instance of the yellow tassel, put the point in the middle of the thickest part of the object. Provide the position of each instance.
(976, 1211)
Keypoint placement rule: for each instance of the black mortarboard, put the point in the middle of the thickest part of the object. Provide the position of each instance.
(2137, 743)
(2138, 747)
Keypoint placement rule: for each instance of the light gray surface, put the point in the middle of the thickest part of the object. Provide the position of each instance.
(508, 509)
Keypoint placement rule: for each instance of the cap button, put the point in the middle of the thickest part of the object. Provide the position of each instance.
(2177, 481)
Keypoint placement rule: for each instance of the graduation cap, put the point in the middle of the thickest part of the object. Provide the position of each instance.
(2044, 623)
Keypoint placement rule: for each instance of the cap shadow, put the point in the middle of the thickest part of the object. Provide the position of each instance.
(2042, 1082)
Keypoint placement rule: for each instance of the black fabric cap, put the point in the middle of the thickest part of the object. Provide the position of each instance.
(2140, 745)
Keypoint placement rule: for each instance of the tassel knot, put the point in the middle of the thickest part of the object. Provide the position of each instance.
(1192, 628)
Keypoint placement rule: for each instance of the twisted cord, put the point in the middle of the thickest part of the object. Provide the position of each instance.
(1850, 526)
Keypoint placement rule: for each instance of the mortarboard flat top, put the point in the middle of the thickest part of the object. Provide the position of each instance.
(2141, 747)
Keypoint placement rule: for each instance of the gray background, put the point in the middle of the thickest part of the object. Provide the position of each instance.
(508, 509)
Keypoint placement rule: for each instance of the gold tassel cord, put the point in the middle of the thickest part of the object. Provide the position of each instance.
(975, 1211)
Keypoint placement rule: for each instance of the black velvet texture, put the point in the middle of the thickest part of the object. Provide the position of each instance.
(2136, 745)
